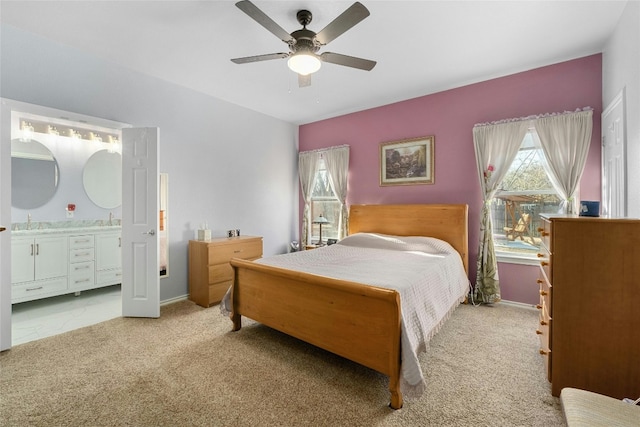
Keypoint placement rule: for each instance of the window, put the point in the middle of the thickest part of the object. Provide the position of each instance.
(324, 202)
(524, 194)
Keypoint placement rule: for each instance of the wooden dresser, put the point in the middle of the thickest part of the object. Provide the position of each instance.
(589, 324)
(210, 274)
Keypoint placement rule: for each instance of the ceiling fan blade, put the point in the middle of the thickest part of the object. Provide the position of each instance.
(261, 18)
(350, 17)
(304, 81)
(348, 61)
(257, 58)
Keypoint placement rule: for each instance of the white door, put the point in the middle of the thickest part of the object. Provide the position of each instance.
(613, 159)
(140, 207)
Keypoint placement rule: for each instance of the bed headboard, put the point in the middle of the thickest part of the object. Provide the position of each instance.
(446, 222)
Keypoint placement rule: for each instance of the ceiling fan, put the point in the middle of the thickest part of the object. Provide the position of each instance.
(304, 44)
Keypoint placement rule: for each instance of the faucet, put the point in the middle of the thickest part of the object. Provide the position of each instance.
(28, 221)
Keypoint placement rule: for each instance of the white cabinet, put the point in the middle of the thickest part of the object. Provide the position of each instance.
(82, 270)
(50, 263)
(108, 259)
(38, 266)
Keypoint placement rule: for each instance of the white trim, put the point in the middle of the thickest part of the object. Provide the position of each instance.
(519, 304)
(508, 258)
(172, 300)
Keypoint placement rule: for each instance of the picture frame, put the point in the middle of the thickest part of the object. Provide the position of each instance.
(407, 161)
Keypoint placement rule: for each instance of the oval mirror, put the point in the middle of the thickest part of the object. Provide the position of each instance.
(102, 179)
(34, 174)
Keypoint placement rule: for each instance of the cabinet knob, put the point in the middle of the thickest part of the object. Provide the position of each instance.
(543, 323)
(543, 352)
(540, 255)
(543, 293)
(539, 307)
(544, 234)
(540, 229)
(538, 331)
(543, 263)
(539, 281)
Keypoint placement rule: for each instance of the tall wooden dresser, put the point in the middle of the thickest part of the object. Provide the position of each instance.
(210, 274)
(589, 324)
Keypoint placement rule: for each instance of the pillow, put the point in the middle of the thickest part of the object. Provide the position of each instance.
(429, 245)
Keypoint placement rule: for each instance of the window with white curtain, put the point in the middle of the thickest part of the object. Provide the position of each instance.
(524, 193)
(324, 202)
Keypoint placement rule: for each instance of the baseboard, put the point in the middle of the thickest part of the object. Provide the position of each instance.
(174, 300)
(519, 304)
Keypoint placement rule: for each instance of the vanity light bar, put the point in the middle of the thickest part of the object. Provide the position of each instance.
(73, 132)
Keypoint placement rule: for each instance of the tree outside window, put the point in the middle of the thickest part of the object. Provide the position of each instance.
(524, 194)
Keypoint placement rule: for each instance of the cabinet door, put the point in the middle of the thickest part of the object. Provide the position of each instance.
(108, 251)
(52, 257)
(22, 258)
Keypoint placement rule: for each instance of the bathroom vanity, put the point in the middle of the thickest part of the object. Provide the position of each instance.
(62, 259)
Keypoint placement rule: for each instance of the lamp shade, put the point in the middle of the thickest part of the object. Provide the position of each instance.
(320, 220)
(304, 63)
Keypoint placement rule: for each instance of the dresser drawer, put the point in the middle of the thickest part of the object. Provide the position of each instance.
(79, 242)
(108, 277)
(545, 233)
(217, 291)
(220, 273)
(35, 290)
(544, 335)
(81, 255)
(250, 249)
(545, 292)
(82, 275)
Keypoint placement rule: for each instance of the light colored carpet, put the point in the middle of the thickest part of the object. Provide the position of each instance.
(188, 369)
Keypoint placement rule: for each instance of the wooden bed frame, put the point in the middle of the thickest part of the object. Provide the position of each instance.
(336, 315)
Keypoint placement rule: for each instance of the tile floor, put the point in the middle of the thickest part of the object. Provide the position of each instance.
(38, 319)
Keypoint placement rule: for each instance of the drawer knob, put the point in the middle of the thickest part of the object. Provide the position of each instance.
(544, 293)
(539, 281)
(540, 255)
(543, 263)
(543, 323)
(544, 234)
(539, 307)
(538, 331)
(543, 352)
(540, 229)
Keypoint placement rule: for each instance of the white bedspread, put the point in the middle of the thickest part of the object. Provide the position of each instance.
(428, 274)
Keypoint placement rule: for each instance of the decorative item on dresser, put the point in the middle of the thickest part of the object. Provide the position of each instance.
(589, 319)
(210, 274)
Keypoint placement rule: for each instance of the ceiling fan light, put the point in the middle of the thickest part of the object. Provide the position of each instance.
(304, 63)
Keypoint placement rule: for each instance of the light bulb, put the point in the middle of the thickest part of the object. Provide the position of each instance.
(304, 63)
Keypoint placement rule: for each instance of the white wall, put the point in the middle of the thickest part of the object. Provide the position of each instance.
(227, 165)
(621, 69)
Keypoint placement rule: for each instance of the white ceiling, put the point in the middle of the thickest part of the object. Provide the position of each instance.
(421, 47)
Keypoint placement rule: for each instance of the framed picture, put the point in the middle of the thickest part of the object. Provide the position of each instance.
(407, 162)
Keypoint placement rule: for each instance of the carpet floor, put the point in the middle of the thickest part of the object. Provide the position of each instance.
(188, 369)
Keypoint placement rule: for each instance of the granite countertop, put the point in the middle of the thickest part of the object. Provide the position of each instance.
(65, 227)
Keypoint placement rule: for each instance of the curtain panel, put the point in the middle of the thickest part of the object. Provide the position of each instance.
(307, 167)
(336, 161)
(495, 146)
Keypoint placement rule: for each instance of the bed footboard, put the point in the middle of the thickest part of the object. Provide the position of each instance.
(359, 322)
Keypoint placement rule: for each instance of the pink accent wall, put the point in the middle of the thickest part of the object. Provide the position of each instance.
(450, 116)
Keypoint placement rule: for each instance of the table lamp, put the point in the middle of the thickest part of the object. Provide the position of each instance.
(320, 220)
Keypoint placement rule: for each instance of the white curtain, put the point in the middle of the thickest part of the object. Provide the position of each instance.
(336, 161)
(565, 140)
(496, 145)
(307, 167)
